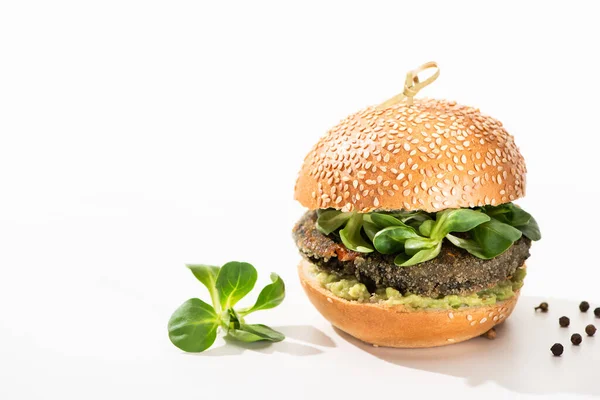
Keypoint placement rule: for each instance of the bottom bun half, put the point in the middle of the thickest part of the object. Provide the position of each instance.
(399, 326)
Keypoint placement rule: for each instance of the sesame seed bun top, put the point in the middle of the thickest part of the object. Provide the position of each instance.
(432, 155)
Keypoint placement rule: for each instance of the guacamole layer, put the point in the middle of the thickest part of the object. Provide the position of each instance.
(349, 288)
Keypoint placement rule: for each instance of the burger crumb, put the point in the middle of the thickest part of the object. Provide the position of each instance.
(491, 334)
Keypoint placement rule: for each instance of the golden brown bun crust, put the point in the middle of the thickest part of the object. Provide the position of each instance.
(429, 156)
(398, 326)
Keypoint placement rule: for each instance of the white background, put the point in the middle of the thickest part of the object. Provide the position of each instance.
(138, 136)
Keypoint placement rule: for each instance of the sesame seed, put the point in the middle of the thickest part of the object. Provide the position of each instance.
(469, 317)
(439, 136)
(483, 320)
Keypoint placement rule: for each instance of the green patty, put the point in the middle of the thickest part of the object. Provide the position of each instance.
(453, 272)
(349, 288)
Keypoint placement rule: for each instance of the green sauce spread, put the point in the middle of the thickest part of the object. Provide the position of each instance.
(350, 289)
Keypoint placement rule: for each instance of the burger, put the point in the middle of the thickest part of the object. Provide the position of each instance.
(411, 238)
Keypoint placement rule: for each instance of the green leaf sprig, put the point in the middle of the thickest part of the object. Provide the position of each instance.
(193, 326)
(417, 236)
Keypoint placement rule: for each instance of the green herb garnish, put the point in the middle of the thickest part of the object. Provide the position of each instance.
(193, 326)
(417, 236)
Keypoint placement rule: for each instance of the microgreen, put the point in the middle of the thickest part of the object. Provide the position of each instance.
(425, 254)
(235, 280)
(331, 220)
(391, 240)
(270, 296)
(416, 236)
(193, 326)
(351, 236)
(517, 217)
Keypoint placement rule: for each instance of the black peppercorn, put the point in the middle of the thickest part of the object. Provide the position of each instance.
(584, 306)
(557, 349)
(491, 334)
(543, 307)
(590, 330)
(597, 312)
(576, 339)
(564, 321)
